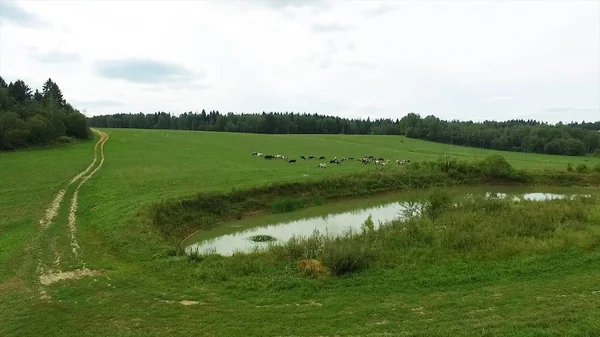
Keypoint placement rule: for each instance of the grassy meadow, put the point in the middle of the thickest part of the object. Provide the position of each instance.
(500, 270)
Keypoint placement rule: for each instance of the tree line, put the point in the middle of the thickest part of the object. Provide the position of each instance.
(37, 118)
(271, 123)
(514, 135)
(573, 139)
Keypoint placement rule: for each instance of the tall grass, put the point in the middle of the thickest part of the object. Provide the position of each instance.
(473, 227)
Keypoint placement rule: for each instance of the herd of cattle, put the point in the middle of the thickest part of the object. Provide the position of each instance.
(364, 160)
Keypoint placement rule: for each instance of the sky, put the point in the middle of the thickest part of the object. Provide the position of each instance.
(380, 59)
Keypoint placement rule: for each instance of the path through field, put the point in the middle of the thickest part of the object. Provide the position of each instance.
(55, 245)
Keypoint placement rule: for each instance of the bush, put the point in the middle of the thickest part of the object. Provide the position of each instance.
(569, 167)
(436, 203)
(346, 256)
(582, 168)
(495, 166)
(368, 225)
(76, 125)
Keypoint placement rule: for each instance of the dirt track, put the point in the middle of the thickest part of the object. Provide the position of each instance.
(46, 274)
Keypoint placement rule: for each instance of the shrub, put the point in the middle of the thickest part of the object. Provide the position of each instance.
(495, 166)
(345, 257)
(437, 202)
(368, 226)
(582, 168)
(569, 167)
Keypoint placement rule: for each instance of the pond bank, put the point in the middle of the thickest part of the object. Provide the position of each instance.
(338, 218)
(176, 219)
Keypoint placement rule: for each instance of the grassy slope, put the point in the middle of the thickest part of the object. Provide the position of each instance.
(537, 294)
(28, 181)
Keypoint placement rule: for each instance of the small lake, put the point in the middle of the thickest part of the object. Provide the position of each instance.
(339, 217)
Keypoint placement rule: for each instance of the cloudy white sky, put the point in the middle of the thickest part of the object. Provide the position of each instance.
(455, 59)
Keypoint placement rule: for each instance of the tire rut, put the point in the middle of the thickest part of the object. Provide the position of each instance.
(47, 275)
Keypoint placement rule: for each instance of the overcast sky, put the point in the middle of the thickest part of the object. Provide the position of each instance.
(454, 59)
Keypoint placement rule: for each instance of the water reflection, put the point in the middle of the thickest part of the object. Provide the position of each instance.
(332, 224)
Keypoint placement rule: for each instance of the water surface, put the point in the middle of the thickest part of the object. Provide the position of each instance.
(338, 218)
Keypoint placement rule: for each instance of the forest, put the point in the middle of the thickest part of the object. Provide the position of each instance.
(574, 139)
(37, 118)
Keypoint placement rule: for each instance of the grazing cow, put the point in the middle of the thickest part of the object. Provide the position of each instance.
(303, 157)
(292, 161)
(322, 165)
(269, 156)
(370, 157)
(311, 157)
(377, 162)
(322, 157)
(350, 158)
(380, 158)
(333, 161)
(254, 153)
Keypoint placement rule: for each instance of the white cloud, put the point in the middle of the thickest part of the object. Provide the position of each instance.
(500, 99)
(452, 59)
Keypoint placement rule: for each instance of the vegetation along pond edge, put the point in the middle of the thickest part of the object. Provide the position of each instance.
(178, 219)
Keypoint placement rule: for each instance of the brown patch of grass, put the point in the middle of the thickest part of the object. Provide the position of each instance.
(312, 268)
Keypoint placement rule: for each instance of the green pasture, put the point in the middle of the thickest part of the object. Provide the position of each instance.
(547, 287)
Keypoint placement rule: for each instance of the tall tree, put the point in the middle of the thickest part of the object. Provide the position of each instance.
(51, 90)
(19, 91)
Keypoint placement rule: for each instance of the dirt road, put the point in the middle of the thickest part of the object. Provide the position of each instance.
(51, 226)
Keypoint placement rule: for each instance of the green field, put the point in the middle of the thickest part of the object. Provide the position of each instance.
(552, 290)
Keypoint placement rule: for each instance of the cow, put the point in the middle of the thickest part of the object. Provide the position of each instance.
(322, 165)
(350, 158)
(269, 156)
(254, 153)
(292, 161)
(322, 157)
(303, 157)
(311, 157)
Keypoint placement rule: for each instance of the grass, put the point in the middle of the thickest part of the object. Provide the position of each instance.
(545, 285)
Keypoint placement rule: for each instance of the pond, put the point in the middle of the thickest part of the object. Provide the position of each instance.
(337, 218)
